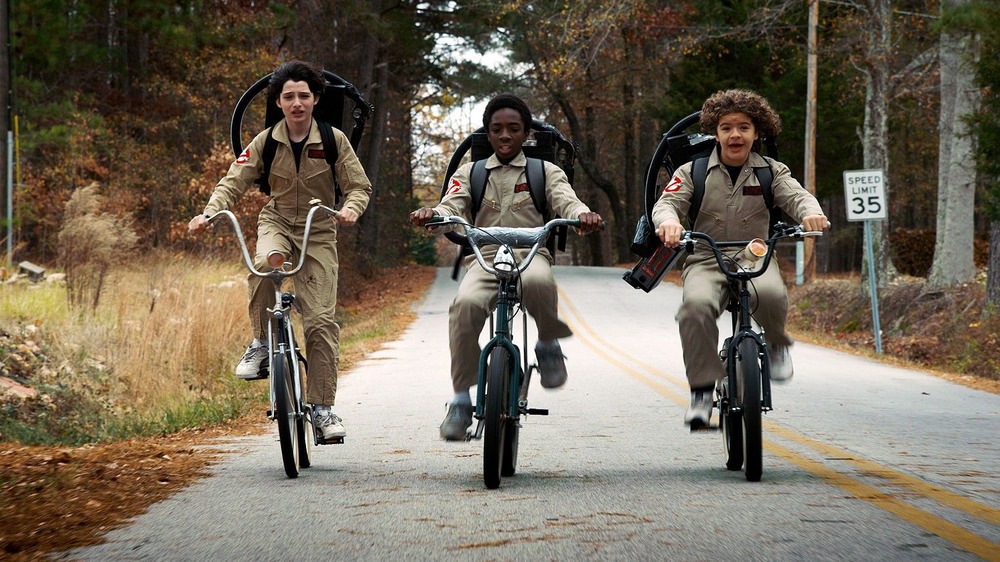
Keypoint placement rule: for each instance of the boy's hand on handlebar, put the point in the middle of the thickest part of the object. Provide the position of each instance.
(670, 232)
(347, 217)
(421, 216)
(815, 223)
(589, 222)
(198, 223)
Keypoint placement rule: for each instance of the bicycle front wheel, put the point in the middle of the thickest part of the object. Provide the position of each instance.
(749, 374)
(303, 427)
(284, 413)
(732, 427)
(495, 414)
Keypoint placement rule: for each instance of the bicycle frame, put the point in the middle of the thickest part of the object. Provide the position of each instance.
(507, 272)
(283, 347)
(746, 393)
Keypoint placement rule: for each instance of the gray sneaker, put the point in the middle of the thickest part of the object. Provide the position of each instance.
(328, 424)
(699, 413)
(551, 364)
(254, 363)
(781, 363)
(456, 422)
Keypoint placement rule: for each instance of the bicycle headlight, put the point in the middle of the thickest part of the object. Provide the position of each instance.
(503, 261)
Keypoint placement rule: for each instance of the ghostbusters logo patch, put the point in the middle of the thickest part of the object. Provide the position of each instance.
(455, 187)
(674, 185)
(244, 158)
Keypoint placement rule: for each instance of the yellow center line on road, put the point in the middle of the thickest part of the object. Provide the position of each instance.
(961, 537)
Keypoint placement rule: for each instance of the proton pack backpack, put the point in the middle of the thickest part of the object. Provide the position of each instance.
(675, 149)
(330, 111)
(545, 143)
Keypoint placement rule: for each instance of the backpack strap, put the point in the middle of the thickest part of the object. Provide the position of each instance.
(699, 171)
(765, 176)
(331, 154)
(478, 177)
(329, 151)
(270, 147)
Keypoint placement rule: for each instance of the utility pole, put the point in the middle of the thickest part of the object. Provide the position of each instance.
(809, 254)
(6, 130)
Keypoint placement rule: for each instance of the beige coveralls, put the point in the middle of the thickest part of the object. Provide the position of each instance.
(280, 226)
(728, 212)
(506, 202)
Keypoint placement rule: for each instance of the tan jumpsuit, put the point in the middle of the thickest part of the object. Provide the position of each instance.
(280, 226)
(506, 202)
(728, 212)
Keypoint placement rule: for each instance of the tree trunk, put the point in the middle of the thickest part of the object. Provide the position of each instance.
(953, 249)
(993, 269)
(878, 53)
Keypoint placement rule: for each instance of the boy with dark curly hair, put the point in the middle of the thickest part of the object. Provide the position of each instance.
(299, 174)
(733, 208)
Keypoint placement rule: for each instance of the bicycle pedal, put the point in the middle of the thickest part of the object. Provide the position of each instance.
(538, 411)
(704, 428)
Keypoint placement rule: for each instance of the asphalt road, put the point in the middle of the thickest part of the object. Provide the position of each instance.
(862, 461)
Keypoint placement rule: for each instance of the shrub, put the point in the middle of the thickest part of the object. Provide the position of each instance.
(90, 241)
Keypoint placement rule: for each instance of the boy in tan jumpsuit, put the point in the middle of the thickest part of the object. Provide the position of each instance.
(299, 173)
(506, 202)
(733, 208)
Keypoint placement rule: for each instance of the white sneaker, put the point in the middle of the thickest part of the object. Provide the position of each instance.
(456, 422)
(328, 424)
(699, 413)
(254, 363)
(781, 363)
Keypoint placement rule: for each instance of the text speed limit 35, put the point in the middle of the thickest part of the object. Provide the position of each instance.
(864, 195)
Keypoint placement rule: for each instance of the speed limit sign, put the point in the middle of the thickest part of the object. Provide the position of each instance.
(864, 193)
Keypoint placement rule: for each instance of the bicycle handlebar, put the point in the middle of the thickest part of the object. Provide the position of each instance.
(506, 237)
(781, 230)
(276, 274)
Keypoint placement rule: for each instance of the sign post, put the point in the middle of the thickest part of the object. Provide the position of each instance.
(864, 195)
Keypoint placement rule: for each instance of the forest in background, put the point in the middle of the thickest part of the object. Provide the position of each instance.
(136, 97)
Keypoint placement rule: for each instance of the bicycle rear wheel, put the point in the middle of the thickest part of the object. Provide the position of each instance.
(749, 375)
(303, 428)
(495, 415)
(284, 413)
(732, 428)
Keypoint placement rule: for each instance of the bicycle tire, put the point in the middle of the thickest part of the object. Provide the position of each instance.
(495, 414)
(511, 434)
(284, 414)
(749, 371)
(304, 428)
(732, 429)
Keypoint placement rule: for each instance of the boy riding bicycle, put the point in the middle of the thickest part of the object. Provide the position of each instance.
(299, 173)
(733, 208)
(507, 202)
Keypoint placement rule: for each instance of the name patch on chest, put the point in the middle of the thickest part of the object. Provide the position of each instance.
(316, 153)
(521, 188)
(753, 190)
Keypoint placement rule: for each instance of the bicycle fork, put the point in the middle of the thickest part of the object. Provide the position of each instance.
(280, 328)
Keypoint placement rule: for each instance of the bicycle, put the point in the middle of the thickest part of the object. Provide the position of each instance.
(748, 370)
(287, 366)
(502, 387)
